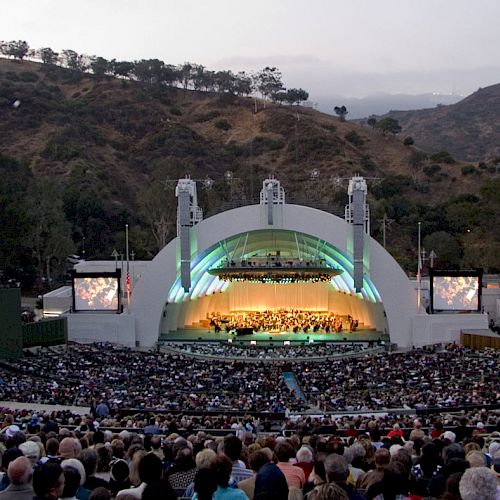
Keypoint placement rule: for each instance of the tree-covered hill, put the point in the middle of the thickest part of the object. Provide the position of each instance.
(83, 154)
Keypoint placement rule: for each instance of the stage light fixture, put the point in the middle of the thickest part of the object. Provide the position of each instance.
(286, 342)
(311, 341)
(253, 342)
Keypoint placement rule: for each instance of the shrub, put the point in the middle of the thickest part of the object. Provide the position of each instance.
(28, 76)
(222, 124)
(468, 169)
(431, 170)
(443, 157)
(368, 164)
(175, 111)
(408, 141)
(354, 138)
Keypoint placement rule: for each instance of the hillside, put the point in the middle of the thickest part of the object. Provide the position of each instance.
(87, 156)
(469, 129)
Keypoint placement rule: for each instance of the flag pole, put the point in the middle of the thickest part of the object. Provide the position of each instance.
(419, 272)
(127, 279)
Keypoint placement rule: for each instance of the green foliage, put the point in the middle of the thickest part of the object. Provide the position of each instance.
(372, 122)
(341, 112)
(28, 77)
(18, 49)
(391, 186)
(468, 169)
(354, 138)
(389, 126)
(48, 56)
(431, 170)
(268, 81)
(367, 163)
(262, 144)
(222, 124)
(447, 248)
(443, 157)
(417, 159)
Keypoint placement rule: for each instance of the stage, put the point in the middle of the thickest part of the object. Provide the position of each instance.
(203, 335)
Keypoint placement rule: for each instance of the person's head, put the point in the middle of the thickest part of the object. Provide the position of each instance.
(155, 442)
(452, 485)
(71, 482)
(221, 469)
(98, 437)
(478, 483)
(259, 458)
(100, 493)
(52, 447)
(204, 458)
(270, 482)
(10, 455)
(395, 481)
(451, 451)
(304, 454)
(20, 471)
(68, 448)
(476, 459)
(328, 491)
(88, 457)
(382, 458)
(31, 451)
(232, 447)
(48, 481)
(150, 468)
(118, 448)
(336, 468)
(284, 451)
(205, 484)
(75, 464)
(119, 471)
(104, 456)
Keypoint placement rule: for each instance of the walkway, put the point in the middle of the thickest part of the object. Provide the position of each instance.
(292, 383)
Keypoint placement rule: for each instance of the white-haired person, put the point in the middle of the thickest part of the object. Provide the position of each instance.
(479, 483)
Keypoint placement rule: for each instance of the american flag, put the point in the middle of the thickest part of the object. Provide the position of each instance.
(127, 282)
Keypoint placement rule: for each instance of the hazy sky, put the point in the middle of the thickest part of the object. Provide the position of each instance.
(348, 47)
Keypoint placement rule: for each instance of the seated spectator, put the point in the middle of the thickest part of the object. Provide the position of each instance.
(232, 447)
(20, 473)
(88, 458)
(305, 460)
(382, 460)
(119, 476)
(31, 451)
(204, 485)
(181, 473)
(257, 460)
(328, 491)
(48, 481)
(71, 483)
(294, 475)
(73, 463)
(150, 472)
(478, 483)
(337, 471)
(221, 469)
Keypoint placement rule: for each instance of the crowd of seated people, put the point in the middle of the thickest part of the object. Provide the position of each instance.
(52, 461)
(416, 379)
(283, 320)
(264, 351)
(134, 379)
(420, 378)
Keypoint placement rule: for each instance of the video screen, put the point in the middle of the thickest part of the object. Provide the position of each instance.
(455, 293)
(96, 293)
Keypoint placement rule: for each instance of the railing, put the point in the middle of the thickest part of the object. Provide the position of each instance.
(46, 332)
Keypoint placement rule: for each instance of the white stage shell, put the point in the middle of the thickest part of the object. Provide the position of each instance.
(393, 288)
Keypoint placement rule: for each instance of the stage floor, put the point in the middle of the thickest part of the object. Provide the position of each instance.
(202, 335)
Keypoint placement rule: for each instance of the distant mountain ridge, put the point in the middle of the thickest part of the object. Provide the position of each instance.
(469, 129)
(381, 103)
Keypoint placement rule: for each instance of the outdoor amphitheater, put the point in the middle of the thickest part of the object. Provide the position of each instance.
(267, 334)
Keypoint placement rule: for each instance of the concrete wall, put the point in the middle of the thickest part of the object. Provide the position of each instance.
(435, 328)
(90, 327)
